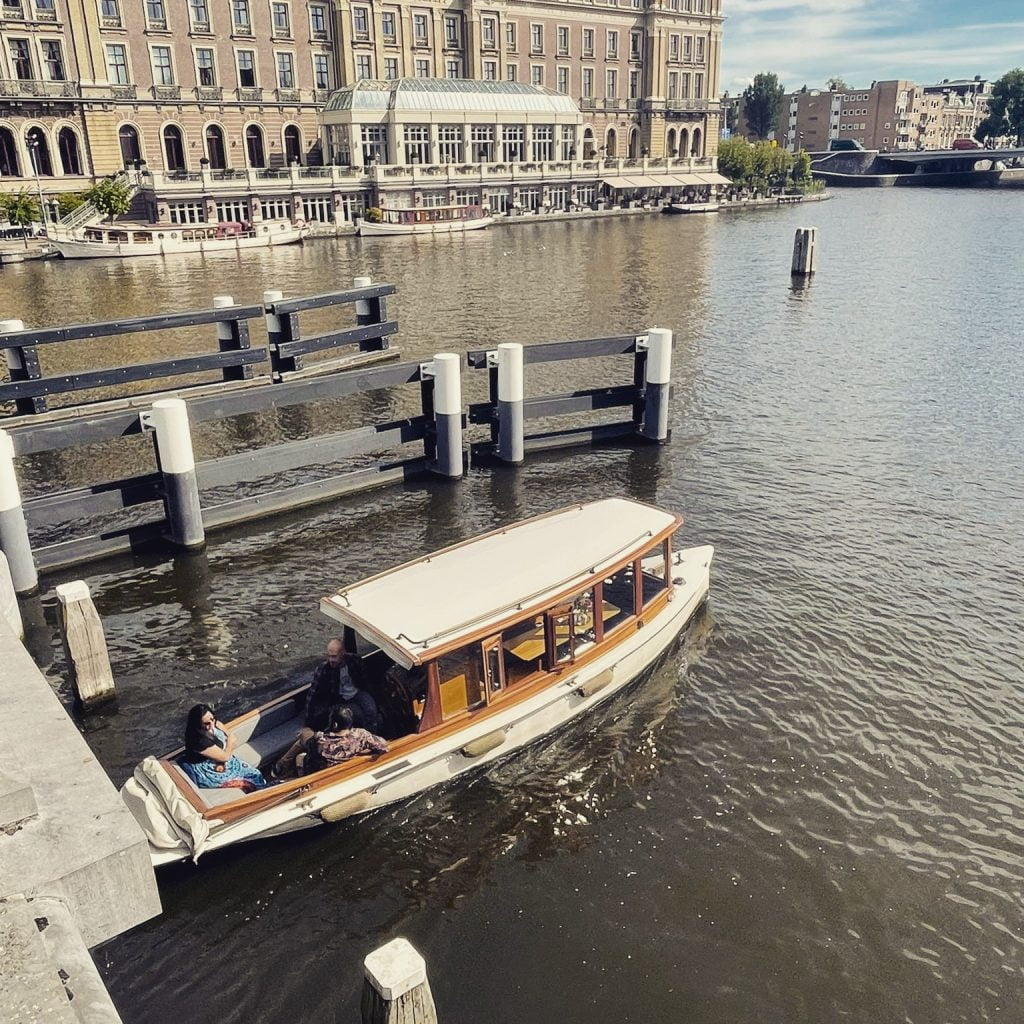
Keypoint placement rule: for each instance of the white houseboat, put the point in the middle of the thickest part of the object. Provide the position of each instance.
(508, 636)
(427, 220)
(122, 239)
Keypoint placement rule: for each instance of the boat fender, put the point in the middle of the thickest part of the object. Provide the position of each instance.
(595, 685)
(346, 808)
(485, 744)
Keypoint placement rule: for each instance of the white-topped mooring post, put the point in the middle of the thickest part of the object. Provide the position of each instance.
(224, 338)
(657, 385)
(510, 402)
(447, 372)
(12, 355)
(364, 312)
(85, 645)
(14, 540)
(805, 252)
(395, 986)
(274, 336)
(10, 610)
(168, 417)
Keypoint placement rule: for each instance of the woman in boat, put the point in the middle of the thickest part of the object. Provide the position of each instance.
(341, 742)
(209, 760)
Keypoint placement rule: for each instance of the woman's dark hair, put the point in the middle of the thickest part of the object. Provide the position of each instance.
(341, 718)
(194, 732)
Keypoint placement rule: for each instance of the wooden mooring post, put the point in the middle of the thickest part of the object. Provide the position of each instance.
(805, 252)
(395, 986)
(85, 645)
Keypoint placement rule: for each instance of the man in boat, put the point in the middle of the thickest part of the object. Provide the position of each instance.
(335, 685)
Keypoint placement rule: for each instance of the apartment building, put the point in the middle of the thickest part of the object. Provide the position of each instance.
(186, 86)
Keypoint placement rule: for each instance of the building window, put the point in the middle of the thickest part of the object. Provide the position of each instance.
(587, 90)
(634, 85)
(453, 68)
(54, 61)
(200, 15)
(163, 69)
(156, 16)
(698, 86)
(21, 62)
(422, 68)
(390, 68)
(612, 46)
(636, 45)
(449, 143)
(688, 48)
(375, 143)
(673, 47)
(117, 63)
(51, 6)
(490, 70)
(206, 74)
(285, 71)
(275, 209)
(247, 69)
(364, 66)
(588, 42)
(240, 20)
(186, 213)
(511, 72)
(488, 32)
(111, 13)
(563, 40)
(419, 29)
(322, 71)
(232, 211)
(513, 143)
(563, 80)
(536, 39)
(451, 30)
(673, 85)
(610, 85)
(698, 54)
(536, 74)
(318, 21)
(543, 142)
(568, 142)
(684, 86)
(387, 26)
(482, 138)
(282, 19)
(510, 36)
(254, 146)
(361, 22)
(417, 143)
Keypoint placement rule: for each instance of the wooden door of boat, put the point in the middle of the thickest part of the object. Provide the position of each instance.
(494, 665)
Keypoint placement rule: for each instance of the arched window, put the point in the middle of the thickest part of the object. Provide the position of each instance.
(215, 147)
(634, 144)
(588, 144)
(611, 144)
(174, 149)
(684, 143)
(39, 152)
(67, 143)
(670, 142)
(8, 155)
(254, 146)
(131, 151)
(696, 151)
(292, 145)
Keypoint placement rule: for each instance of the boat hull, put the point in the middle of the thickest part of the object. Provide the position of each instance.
(369, 229)
(488, 739)
(76, 249)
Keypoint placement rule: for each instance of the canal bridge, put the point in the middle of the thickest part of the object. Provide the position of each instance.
(963, 167)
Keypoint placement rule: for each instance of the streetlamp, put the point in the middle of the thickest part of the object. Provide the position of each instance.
(33, 148)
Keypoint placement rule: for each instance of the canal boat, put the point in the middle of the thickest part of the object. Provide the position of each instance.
(427, 220)
(675, 209)
(123, 239)
(499, 640)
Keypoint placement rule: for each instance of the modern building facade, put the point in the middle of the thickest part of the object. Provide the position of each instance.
(194, 87)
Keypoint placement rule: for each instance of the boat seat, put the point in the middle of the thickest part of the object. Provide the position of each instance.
(209, 797)
(264, 722)
(269, 745)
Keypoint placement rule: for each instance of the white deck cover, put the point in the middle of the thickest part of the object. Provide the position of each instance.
(425, 604)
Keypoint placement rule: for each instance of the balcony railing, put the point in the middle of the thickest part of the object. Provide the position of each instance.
(209, 93)
(37, 87)
(288, 95)
(166, 92)
(111, 21)
(249, 94)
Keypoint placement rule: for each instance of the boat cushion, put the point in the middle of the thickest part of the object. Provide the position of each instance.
(263, 722)
(269, 745)
(210, 797)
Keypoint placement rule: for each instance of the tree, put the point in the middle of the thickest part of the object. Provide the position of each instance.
(736, 159)
(762, 101)
(110, 196)
(837, 84)
(801, 172)
(68, 202)
(20, 209)
(1007, 102)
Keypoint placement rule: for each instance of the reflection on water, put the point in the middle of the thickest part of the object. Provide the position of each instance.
(811, 810)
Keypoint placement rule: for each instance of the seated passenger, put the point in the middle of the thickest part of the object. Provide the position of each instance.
(341, 742)
(398, 692)
(208, 759)
(334, 685)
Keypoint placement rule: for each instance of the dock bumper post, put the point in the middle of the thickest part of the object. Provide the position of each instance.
(446, 371)
(364, 312)
(85, 645)
(168, 417)
(395, 986)
(275, 334)
(805, 252)
(13, 528)
(657, 384)
(509, 359)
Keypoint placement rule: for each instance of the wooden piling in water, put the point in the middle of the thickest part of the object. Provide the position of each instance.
(805, 252)
(85, 645)
(395, 986)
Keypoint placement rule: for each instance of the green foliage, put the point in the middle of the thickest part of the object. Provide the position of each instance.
(837, 84)
(110, 196)
(19, 208)
(762, 101)
(736, 158)
(1007, 101)
(68, 202)
(760, 165)
(992, 128)
(374, 215)
(801, 171)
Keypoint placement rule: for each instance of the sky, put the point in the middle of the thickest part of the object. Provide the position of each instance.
(805, 42)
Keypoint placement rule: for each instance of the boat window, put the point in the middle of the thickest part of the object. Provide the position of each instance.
(142, 236)
(523, 645)
(584, 624)
(652, 576)
(619, 598)
(562, 634)
(461, 678)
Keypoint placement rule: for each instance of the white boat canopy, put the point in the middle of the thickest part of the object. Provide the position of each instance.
(419, 607)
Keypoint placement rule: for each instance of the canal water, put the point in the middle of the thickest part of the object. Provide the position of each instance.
(812, 811)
